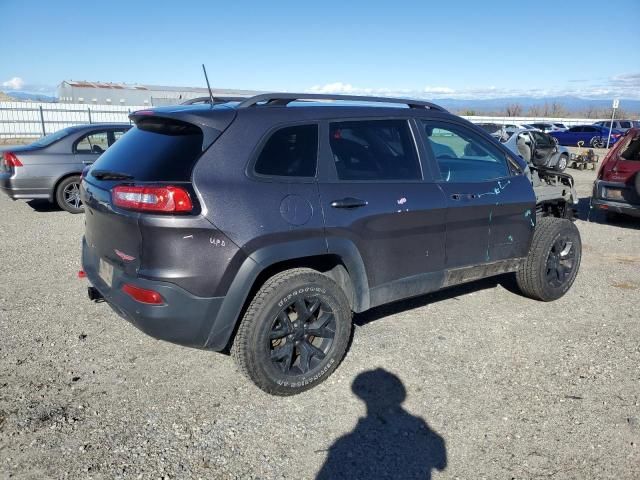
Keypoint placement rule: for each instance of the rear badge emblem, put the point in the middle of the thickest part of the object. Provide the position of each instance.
(124, 256)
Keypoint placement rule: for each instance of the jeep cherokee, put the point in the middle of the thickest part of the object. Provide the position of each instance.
(260, 226)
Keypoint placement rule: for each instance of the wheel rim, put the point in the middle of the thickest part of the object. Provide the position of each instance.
(71, 195)
(563, 163)
(561, 261)
(301, 335)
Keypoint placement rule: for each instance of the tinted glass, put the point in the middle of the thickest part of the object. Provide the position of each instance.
(632, 150)
(575, 129)
(463, 155)
(625, 124)
(589, 129)
(95, 142)
(374, 150)
(290, 152)
(155, 150)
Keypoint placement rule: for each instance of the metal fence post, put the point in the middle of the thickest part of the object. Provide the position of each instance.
(129, 113)
(42, 121)
(89, 112)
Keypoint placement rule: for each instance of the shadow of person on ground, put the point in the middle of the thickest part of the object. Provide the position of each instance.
(389, 442)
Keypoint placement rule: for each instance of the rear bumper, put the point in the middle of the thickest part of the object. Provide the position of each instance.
(629, 205)
(11, 187)
(184, 319)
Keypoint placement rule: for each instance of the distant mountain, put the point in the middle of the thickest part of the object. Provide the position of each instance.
(572, 104)
(30, 96)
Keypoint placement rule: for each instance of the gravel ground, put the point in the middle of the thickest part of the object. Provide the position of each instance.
(473, 382)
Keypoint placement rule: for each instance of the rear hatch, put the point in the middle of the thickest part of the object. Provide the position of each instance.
(622, 162)
(157, 155)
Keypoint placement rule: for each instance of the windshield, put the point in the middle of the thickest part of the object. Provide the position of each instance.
(53, 137)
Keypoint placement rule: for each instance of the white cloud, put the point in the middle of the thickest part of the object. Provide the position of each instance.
(439, 90)
(622, 86)
(15, 83)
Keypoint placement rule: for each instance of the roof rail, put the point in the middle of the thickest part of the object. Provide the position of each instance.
(283, 99)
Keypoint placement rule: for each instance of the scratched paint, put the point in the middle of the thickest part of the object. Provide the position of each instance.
(510, 238)
(528, 214)
(497, 190)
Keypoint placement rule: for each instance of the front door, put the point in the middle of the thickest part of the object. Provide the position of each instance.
(490, 211)
(375, 198)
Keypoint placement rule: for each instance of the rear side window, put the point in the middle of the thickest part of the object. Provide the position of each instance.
(632, 150)
(290, 152)
(625, 124)
(374, 150)
(155, 150)
(95, 142)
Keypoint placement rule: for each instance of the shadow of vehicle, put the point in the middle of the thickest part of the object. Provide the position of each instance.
(388, 442)
(585, 212)
(43, 206)
(507, 281)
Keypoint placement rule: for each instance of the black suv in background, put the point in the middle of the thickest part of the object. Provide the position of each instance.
(261, 225)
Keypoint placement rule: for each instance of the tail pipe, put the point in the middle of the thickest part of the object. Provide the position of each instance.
(94, 295)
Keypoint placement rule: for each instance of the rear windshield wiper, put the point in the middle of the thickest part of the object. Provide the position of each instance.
(109, 175)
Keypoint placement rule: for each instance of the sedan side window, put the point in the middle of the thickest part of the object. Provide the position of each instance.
(116, 136)
(463, 155)
(95, 142)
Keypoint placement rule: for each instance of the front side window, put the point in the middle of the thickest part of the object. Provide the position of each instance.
(96, 142)
(376, 150)
(463, 155)
(290, 152)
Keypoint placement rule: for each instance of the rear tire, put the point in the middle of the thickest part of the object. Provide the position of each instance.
(553, 261)
(294, 333)
(68, 195)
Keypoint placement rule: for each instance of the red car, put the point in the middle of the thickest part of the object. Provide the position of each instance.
(617, 186)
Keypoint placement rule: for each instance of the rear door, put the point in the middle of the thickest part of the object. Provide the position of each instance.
(375, 198)
(490, 212)
(543, 148)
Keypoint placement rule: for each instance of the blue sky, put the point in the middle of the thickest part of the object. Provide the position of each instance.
(463, 49)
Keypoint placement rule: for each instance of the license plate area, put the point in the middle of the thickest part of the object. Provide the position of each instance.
(105, 272)
(613, 194)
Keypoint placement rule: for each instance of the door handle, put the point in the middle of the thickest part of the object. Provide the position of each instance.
(465, 196)
(349, 202)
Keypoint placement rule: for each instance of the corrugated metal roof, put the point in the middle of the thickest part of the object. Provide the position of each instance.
(164, 88)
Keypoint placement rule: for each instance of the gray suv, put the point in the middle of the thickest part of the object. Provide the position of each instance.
(259, 227)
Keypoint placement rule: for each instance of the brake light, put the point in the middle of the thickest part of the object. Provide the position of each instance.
(152, 199)
(10, 159)
(143, 295)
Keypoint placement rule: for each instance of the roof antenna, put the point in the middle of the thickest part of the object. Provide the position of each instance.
(208, 86)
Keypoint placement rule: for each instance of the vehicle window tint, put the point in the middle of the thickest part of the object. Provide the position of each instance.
(374, 150)
(632, 150)
(290, 152)
(158, 150)
(589, 129)
(463, 155)
(96, 142)
(625, 124)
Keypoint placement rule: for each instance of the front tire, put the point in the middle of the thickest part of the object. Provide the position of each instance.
(562, 163)
(553, 261)
(68, 195)
(294, 333)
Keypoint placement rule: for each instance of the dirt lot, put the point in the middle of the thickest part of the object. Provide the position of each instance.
(497, 386)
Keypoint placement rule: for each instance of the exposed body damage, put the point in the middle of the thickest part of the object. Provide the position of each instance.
(555, 192)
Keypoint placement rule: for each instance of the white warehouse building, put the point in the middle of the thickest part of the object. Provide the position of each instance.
(102, 93)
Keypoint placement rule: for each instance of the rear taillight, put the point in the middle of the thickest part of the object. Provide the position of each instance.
(10, 159)
(152, 199)
(143, 295)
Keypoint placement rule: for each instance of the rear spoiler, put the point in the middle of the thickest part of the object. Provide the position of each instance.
(212, 122)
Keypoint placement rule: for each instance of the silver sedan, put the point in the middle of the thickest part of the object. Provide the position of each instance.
(50, 167)
(537, 148)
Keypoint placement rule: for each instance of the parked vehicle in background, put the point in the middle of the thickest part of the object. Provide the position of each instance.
(538, 148)
(50, 167)
(617, 186)
(544, 127)
(285, 214)
(559, 127)
(621, 125)
(496, 130)
(594, 136)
